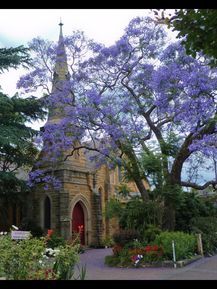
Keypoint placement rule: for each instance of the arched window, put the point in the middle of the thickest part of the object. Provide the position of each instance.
(47, 213)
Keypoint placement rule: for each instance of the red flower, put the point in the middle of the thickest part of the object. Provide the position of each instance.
(49, 232)
(134, 258)
(148, 248)
(155, 248)
(80, 228)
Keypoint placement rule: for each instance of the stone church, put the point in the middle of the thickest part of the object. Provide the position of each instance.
(80, 203)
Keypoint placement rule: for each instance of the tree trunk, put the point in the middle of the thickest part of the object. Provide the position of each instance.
(142, 189)
(169, 216)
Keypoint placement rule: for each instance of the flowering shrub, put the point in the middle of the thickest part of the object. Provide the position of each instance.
(146, 254)
(153, 253)
(53, 240)
(30, 259)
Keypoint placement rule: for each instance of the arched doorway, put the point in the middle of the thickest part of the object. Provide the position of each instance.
(78, 221)
(47, 213)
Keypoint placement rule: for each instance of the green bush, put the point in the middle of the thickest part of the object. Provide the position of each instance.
(123, 259)
(138, 215)
(151, 233)
(55, 241)
(207, 226)
(185, 244)
(112, 260)
(5, 246)
(108, 241)
(65, 262)
(192, 206)
(125, 236)
(28, 260)
(135, 244)
(17, 260)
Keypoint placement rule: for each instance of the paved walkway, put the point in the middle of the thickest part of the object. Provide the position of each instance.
(203, 269)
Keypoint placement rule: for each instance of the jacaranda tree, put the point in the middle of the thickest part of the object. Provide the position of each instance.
(141, 95)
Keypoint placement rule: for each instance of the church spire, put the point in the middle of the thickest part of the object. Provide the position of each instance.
(61, 67)
(61, 79)
(61, 29)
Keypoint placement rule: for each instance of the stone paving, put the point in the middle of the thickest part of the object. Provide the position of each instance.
(203, 269)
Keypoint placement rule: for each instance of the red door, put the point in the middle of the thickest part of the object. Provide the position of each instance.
(78, 221)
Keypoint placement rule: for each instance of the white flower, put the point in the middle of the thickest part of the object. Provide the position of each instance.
(40, 262)
(1, 233)
(15, 227)
(5, 233)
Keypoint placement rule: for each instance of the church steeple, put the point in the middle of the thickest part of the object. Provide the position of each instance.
(61, 80)
(61, 67)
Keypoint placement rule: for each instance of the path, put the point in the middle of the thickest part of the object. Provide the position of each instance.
(203, 269)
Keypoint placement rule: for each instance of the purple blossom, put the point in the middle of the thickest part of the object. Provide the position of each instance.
(116, 92)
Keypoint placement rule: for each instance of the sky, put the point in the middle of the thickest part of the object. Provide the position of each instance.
(19, 26)
(103, 25)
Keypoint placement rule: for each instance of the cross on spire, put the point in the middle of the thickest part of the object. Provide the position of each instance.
(61, 25)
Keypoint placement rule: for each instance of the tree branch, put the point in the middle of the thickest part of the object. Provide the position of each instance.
(200, 187)
(87, 148)
(184, 151)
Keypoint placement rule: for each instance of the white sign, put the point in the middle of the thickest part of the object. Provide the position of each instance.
(20, 235)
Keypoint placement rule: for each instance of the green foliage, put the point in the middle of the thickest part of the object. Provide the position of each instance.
(124, 258)
(172, 194)
(16, 138)
(123, 190)
(55, 241)
(134, 244)
(151, 164)
(151, 233)
(171, 146)
(185, 244)
(108, 242)
(27, 260)
(207, 226)
(120, 260)
(112, 261)
(5, 247)
(65, 262)
(198, 27)
(192, 206)
(82, 273)
(17, 257)
(113, 208)
(125, 236)
(138, 215)
(13, 57)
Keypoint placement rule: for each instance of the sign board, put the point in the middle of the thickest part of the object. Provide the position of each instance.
(20, 235)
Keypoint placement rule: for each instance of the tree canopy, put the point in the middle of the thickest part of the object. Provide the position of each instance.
(13, 57)
(17, 149)
(141, 95)
(197, 29)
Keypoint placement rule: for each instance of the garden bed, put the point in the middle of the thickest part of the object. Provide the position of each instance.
(110, 261)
